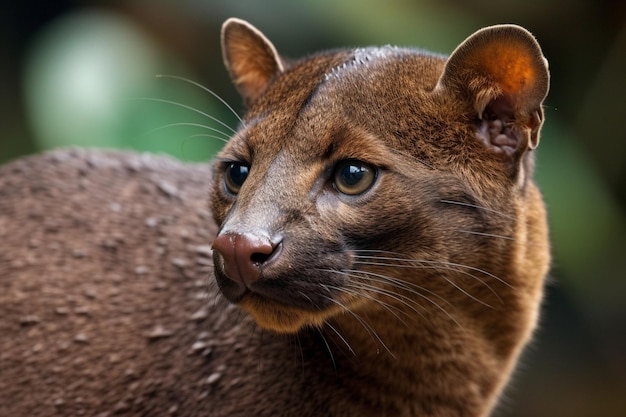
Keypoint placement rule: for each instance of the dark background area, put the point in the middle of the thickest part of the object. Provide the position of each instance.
(74, 73)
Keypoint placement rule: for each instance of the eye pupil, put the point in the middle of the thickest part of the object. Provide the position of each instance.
(235, 176)
(354, 177)
(352, 174)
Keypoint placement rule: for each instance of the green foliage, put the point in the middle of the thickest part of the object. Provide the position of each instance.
(90, 81)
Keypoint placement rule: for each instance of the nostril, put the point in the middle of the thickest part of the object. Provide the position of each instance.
(244, 254)
(259, 258)
(268, 252)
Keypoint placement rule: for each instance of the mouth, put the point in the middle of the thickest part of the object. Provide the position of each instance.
(280, 304)
(309, 292)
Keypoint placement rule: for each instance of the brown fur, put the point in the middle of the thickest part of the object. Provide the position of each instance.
(414, 297)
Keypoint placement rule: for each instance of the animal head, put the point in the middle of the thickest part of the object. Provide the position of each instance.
(368, 179)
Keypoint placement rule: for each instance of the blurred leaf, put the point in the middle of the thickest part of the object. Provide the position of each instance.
(82, 77)
(585, 220)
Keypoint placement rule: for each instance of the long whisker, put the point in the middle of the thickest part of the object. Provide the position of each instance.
(384, 279)
(343, 339)
(330, 352)
(373, 277)
(363, 323)
(395, 296)
(376, 290)
(461, 203)
(184, 106)
(525, 242)
(187, 124)
(403, 258)
(206, 135)
(471, 232)
(303, 294)
(405, 285)
(446, 278)
(208, 90)
(297, 337)
(392, 309)
(407, 301)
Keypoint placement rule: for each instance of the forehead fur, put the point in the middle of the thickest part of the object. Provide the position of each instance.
(361, 59)
(367, 62)
(383, 91)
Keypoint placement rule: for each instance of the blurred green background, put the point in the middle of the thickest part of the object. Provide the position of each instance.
(79, 73)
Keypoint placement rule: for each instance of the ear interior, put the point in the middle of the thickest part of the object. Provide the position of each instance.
(250, 58)
(501, 72)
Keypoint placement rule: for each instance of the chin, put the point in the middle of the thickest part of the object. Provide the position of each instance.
(279, 318)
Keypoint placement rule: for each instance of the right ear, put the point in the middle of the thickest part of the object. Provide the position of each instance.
(502, 73)
(250, 58)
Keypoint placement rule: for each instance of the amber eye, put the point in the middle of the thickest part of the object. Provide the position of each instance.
(235, 175)
(353, 177)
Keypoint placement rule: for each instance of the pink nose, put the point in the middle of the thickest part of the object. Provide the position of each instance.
(244, 255)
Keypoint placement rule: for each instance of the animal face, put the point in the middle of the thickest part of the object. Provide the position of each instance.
(374, 178)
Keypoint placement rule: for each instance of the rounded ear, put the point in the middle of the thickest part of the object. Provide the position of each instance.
(250, 58)
(502, 73)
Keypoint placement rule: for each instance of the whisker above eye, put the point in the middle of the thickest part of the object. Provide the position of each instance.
(208, 90)
(185, 106)
(167, 126)
(414, 158)
(207, 135)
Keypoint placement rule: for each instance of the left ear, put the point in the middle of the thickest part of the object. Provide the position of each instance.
(502, 74)
(251, 59)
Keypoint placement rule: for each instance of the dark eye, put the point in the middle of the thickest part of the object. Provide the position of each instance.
(235, 175)
(353, 177)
